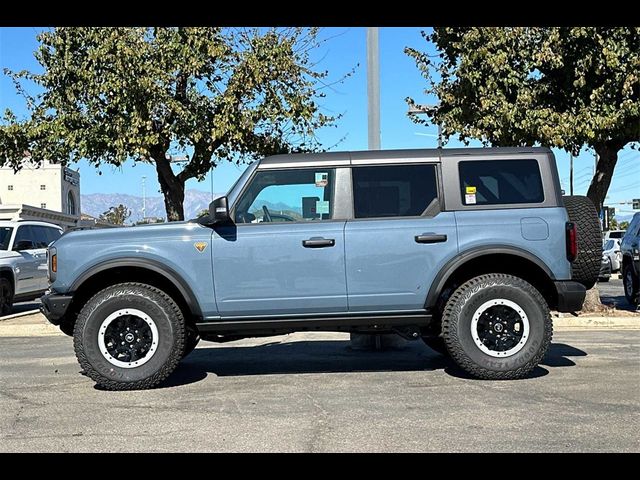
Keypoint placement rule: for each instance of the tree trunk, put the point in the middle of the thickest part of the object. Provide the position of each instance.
(172, 188)
(607, 159)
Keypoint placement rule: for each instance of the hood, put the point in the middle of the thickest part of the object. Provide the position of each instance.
(126, 234)
(7, 254)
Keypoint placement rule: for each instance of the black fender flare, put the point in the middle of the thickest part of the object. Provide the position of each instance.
(452, 265)
(153, 265)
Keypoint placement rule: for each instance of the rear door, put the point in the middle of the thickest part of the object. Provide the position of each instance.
(398, 239)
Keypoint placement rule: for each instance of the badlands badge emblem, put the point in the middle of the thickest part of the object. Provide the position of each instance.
(200, 246)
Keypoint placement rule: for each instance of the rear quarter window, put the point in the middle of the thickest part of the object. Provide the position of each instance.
(496, 182)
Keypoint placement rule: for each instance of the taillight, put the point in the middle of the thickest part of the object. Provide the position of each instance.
(572, 241)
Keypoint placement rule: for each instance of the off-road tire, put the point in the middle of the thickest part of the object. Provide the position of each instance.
(437, 344)
(153, 302)
(631, 294)
(586, 267)
(456, 326)
(191, 340)
(6, 290)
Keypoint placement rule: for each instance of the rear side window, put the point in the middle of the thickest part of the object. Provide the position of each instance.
(39, 236)
(53, 234)
(393, 191)
(494, 182)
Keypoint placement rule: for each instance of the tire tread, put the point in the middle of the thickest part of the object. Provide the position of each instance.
(453, 310)
(106, 294)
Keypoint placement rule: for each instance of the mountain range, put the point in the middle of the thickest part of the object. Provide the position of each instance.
(195, 201)
(95, 204)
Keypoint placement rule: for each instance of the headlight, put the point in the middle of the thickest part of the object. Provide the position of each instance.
(52, 254)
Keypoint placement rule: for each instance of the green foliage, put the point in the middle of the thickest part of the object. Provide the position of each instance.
(112, 94)
(623, 225)
(562, 87)
(116, 215)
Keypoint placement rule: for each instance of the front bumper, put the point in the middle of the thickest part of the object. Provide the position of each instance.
(54, 306)
(570, 296)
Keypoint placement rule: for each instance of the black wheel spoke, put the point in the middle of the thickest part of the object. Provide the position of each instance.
(500, 328)
(128, 338)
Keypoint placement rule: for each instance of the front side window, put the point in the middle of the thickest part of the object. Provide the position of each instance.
(24, 238)
(493, 182)
(5, 237)
(300, 195)
(393, 191)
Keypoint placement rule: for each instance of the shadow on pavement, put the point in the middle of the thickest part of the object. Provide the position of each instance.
(330, 357)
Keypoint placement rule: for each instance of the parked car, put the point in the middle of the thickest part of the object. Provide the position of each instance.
(605, 269)
(23, 260)
(468, 249)
(630, 249)
(612, 250)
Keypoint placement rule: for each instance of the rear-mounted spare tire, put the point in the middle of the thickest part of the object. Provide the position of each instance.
(582, 213)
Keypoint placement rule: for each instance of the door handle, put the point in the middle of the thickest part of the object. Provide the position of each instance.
(430, 238)
(318, 242)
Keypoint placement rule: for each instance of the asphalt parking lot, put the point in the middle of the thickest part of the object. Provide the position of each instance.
(311, 392)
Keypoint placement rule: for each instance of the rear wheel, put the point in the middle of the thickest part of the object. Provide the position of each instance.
(129, 336)
(6, 296)
(583, 214)
(497, 326)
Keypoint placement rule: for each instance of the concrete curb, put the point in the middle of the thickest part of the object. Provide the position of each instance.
(596, 323)
(18, 315)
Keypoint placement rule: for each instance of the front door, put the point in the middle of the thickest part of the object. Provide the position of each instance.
(399, 238)
(284, 253)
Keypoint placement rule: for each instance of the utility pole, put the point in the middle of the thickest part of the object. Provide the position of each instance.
(144, 199)
(373, 87)
(571, 174)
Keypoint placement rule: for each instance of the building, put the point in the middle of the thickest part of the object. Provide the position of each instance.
(49, 192)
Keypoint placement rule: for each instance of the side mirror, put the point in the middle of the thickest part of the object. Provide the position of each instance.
(23, 245)
(219, 210)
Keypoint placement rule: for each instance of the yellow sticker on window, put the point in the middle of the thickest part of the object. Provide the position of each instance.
(471, 190)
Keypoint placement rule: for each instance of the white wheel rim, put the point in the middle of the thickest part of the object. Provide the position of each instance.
(477, 336)
(104, 348)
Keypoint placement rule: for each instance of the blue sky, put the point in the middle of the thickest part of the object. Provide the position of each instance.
(344, 49)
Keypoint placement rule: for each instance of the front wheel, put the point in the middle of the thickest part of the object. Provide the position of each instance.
(497, 326)
(129, 336)
(6, 296)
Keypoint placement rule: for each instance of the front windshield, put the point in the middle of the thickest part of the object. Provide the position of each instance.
(234, 191)
(609, 245)
(5, 237)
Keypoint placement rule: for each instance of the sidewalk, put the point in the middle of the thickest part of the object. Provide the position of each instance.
(36, 325)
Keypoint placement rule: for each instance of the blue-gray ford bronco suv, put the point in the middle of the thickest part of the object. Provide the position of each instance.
(467, 249)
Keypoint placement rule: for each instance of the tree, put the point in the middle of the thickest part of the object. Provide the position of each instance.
(624, 225)
(116, 215)
(559, 87)
(112, 94)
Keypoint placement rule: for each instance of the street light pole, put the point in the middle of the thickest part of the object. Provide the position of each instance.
(144, 199)
(373, 87)
(571, 173)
